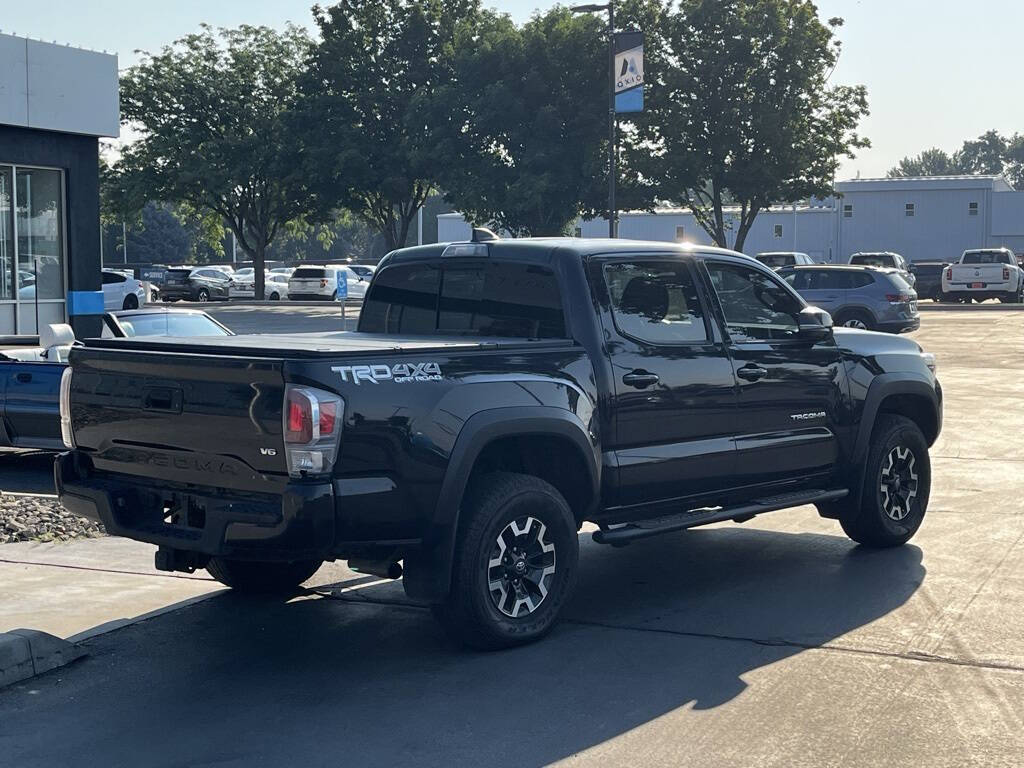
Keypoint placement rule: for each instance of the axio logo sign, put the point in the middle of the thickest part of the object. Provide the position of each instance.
(400, 373)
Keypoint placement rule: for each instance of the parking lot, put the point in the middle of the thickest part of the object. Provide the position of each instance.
(773, 643)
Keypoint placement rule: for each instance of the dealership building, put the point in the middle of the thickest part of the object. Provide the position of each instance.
(56, 101)
(921, 218)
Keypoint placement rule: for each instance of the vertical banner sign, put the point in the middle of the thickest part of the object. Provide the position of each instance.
(629, 72)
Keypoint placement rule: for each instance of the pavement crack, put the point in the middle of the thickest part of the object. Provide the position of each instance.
(781, 642)
(105, 570)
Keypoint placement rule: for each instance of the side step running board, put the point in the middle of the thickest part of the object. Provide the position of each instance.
(642, 529)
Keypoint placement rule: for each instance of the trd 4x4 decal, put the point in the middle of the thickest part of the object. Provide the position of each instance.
(400, 373)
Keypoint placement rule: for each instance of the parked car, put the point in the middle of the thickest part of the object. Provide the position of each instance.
(492, 401)
(121, 291)
(884, 259)
(31, 367)
(195, 284)
(320, 283)
(276, 287)
(242, 284)
(928, 278)
(780, 259)
(871, 298)
(984, 273)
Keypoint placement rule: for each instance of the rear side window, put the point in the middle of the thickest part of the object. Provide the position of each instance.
(478, 299)
(109, 278)
(655, 301)
(859, 279)
(897, 280)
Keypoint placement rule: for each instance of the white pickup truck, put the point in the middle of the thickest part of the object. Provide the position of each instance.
(984, 273)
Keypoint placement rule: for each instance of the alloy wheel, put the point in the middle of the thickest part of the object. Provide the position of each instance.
(898, 482)
(521, 567)
(855, 322)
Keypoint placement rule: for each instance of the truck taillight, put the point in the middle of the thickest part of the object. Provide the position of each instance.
(312, 430)
(1006, 273)
(949, 273)
(66, 434)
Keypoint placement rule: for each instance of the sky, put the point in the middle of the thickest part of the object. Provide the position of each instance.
(937, 71)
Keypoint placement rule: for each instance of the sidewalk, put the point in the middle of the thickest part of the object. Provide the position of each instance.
(78, 588)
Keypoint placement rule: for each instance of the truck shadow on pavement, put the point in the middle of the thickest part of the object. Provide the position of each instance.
(363, 678)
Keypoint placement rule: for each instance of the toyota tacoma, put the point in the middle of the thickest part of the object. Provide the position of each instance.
(497, 395)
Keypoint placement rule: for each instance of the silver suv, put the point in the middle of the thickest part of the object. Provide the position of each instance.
(884, 259)
(873, 298)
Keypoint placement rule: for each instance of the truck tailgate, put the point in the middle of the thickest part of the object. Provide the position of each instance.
(210, 420)
(985, 274)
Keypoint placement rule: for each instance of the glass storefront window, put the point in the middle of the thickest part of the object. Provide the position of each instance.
(31, 248)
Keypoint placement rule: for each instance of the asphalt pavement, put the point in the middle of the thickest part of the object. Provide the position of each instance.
(774, 643)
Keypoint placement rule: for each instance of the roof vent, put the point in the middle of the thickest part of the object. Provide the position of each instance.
(482, 235)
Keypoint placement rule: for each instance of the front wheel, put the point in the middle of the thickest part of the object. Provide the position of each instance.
(897, 483)
(203, 295)
(254, 576)
(515, 563)
(275, 296)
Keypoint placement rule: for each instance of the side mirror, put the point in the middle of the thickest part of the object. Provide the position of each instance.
(814, 325)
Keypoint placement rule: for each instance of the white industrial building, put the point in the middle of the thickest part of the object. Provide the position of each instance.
(922, 218)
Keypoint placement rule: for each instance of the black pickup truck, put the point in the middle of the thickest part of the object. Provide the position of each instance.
(497, 395)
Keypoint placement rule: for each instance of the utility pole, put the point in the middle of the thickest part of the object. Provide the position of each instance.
(613, 139)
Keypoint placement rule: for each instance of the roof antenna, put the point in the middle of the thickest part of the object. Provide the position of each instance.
(482, 235)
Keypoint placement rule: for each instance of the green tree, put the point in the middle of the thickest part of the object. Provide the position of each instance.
(983, 155)
(213, 116)
(366, 144)
(739, 105)
(931, 162)
(523, 123)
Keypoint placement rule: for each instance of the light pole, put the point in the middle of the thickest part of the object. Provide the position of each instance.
(613, 141)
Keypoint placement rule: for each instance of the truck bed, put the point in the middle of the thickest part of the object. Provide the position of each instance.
(319, 344)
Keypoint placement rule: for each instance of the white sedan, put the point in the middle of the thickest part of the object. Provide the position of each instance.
(121, 291)
(276, 287)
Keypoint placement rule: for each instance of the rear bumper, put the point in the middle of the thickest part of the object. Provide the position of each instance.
(297, 523)
(309, 297)
(900, 326)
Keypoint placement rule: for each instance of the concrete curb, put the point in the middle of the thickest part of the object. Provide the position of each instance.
(25, 653)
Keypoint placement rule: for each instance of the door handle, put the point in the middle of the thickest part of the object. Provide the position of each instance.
(640, 379)
(24, 378)
(752, 372)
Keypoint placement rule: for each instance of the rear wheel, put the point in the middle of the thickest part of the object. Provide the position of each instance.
(515, 563)
(897, 483)
(131, 301)
(856, 318)
(275, 296)
(254, 576)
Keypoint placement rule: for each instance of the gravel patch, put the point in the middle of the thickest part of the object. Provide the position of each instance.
(35, 518)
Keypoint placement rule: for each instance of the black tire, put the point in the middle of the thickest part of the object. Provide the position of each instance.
(275, 296)
(131, 301)
(202, 295)
(334, 296)
(499, 506)
(855, 318)
(876, 521)
(261, 577)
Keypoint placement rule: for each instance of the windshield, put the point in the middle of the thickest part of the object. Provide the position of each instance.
(310, 272)
(171, 324)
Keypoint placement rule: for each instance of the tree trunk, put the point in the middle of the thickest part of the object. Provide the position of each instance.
(259, 268)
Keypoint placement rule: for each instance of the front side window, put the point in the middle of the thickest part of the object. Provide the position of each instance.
(755, 306)
(655, 302)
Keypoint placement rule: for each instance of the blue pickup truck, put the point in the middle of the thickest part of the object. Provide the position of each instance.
(31, 367)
